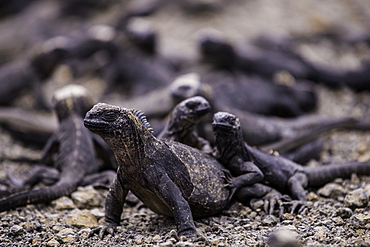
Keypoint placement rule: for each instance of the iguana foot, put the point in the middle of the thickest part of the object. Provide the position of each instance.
(185, 238)
(104, 229)
(273, 199)
(296, 206)
(188, 232)
(229, 183)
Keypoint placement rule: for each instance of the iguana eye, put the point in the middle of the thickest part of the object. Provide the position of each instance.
(192, 104)
(109, 116)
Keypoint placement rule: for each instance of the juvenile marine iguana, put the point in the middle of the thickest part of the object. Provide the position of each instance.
(171, 178)
(71, 148)
(183, 121)
(279, 173)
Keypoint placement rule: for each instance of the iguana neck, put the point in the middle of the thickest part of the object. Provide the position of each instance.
(181, 129)
(228, 147)
(131, 149)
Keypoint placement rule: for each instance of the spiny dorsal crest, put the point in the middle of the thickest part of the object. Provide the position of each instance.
(140, 115)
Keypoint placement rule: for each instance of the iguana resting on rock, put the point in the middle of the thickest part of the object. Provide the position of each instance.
(72, 149)
(170, 178)
(184, 119)
(278, 172)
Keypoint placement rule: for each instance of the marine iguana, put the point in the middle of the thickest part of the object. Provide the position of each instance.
(71, 147)
(255, 94)
(253, 60)
(170, 178)
(279, 173)
(182, 123)
(28, 74)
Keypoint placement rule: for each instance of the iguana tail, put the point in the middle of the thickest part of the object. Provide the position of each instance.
(42, 195)
(310, 134)
(318, 176)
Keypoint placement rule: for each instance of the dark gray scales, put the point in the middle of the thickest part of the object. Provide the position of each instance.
(183, 121)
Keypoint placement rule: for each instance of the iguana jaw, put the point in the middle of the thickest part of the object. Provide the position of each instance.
(96, 126)
(224, 121)
(198, 106)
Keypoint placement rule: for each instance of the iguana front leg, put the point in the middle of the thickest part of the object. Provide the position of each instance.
(296, 185)
(113, 209)
(245, 174)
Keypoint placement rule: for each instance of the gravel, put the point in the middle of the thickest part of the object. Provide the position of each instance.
(336, 215)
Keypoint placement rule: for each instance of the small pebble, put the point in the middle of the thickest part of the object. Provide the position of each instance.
(283, 238)
(53, 242)
(331, 190)
(356, 199)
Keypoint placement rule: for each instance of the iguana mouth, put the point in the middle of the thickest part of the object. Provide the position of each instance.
(96, 126)
(221, 125)
(202, 111)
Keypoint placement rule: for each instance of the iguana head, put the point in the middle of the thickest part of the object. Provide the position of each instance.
(185, 86)
(188, 113)
(48, 56)
(224, 122)
(216, 49)
(227, 133)
(115, 124)
(72, 99)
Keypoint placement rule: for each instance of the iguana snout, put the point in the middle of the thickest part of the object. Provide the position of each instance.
(225, 120)
(102, 118)
(197, 106)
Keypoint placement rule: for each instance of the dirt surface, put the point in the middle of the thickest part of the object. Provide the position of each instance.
(330, 218)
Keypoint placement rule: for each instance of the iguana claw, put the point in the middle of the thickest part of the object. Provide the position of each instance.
(296, 206)
(227, 177)
(103, 230)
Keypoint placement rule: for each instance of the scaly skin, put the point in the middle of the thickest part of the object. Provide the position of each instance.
(184, 119)
(169, 177)
(73, 146)
(282, 174)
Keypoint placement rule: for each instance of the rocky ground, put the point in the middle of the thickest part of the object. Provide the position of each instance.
(336, 215)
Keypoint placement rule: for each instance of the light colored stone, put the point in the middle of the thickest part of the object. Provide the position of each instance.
(331, 190)
(63, 202)
(66, 235)
(53, 242)
(361, 219)
(87, 197)
(356, 199)
(81, 218)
